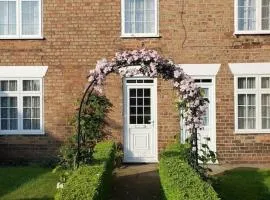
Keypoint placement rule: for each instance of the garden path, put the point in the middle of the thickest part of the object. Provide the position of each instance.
(136, 182)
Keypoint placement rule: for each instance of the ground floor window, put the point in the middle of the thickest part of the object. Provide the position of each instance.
(21, 100)
(252, 103)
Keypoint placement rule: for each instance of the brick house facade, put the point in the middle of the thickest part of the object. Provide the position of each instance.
(78, 33)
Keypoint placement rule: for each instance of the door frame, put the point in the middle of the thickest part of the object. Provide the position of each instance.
(126, 120)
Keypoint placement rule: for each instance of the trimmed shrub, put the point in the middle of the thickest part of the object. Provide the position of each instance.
(91, 182)
(178, 180)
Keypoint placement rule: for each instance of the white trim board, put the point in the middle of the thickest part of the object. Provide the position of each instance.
(250, 68)
(200, 69)
(23, 71)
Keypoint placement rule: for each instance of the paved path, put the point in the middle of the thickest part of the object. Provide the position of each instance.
(136, 182)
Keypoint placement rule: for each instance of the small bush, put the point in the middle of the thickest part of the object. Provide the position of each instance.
(178, 180)
(91, 182)
(92, 123)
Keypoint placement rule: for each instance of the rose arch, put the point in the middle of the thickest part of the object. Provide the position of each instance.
(149, 63)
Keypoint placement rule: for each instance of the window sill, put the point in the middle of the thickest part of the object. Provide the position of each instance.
(255, 132)
(21, 133)
(23, 38)
(139, 36)
(252, 32)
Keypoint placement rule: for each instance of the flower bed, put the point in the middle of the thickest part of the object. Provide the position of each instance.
(178, 180)
(91, 181)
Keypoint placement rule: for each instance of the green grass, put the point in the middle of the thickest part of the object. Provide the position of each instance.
(244, 184)
(25, 183)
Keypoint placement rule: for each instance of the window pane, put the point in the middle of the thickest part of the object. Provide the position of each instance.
(9, 113)
(26, 101)
(27, 113)
(132, 119)
(140, 110)
(266, 99)
(13, 101)
(139, 92)
(241, 83)
(146, 92)
(31, 85)
(35, 124)
(147, 110)
(139, 119)
(251, 83)
(241, 111)
(265, 82)
(4, 101)
(241, 99)
(132, 110)
(13, 124)
(251, 111)
(12, 85)
(265, 14)
(246, 14)
(7, 17)
(30, 17)
(36, 102)
(36, 86)
(132, 92)
(4, 112)
(251, 99)
(251, 123)
(147, 119)
(4, 124)
(13, 113)
(4, 84)
(27, 124)
(241, 123)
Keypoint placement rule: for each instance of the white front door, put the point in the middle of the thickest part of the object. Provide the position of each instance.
(140, 135)
(208, 134)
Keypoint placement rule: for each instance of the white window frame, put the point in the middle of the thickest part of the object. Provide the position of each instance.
(21, 73)
(155, 34)
(19, 23)
(258, 29)
(257, 70)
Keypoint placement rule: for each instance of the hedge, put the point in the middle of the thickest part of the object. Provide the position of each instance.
(91, 182)
(178, 180)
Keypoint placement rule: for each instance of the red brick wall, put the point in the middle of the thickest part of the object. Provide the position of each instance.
(78, 33)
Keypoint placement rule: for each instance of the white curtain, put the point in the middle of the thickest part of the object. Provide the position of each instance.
(265, 111)
(31, 112)
(30, 17)
(246, 111)
(265, 14)
(7, 17)
(139, 16)
(246, 14)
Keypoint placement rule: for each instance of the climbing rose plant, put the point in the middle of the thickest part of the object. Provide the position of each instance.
(150, 64)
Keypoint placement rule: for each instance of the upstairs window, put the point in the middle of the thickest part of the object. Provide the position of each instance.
(139, 18)
(20, 19)
(252, 16)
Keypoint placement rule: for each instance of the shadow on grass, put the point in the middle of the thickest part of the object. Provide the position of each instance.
(15, 178)
(243, 184)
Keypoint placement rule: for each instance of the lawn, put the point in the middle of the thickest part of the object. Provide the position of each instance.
(244, 184)
(25, 183)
